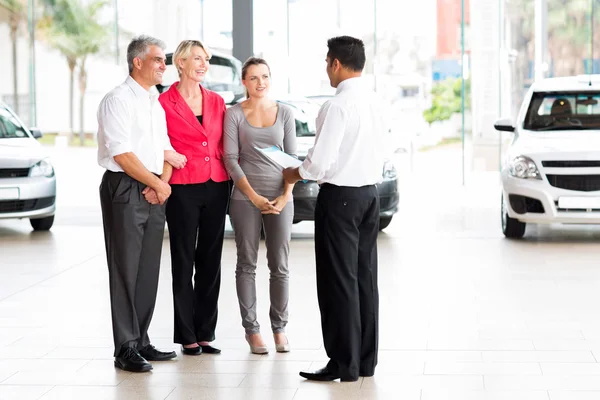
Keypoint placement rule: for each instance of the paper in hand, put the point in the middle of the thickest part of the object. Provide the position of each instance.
(279, 157)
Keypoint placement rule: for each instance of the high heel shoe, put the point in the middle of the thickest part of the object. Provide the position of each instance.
(283, 347)
(256, 349)
(191, 351)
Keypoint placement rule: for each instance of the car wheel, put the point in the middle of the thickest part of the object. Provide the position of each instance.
(511, 227)
(42, 224)
(384, 222)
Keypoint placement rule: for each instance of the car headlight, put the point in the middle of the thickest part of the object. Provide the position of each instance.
(389, 170)
(42, 168)
(524, 168)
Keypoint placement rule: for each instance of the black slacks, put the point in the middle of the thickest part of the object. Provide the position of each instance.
(133, 236)
(196, 221)
(346, 228)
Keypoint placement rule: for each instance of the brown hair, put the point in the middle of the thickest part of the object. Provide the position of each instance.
(250, 62)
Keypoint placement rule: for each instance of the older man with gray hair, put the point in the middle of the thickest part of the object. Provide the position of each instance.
(132, 142)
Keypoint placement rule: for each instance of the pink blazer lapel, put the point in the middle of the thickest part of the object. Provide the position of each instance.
(185, 112)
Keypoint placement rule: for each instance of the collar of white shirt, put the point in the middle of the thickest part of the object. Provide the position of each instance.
(349, 83)
(139, 91)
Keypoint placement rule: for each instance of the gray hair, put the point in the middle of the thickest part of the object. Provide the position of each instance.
(138, 47)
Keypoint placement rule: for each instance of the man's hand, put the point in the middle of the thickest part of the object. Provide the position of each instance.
(291, 175)
(264, 205)
(163, 191)
(175, 159)
(157, 195)
(150, 195)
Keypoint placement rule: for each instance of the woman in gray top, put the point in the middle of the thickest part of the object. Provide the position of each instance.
(260, 197)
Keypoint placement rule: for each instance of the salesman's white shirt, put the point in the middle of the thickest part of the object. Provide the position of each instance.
(348, 145)
(130, 119)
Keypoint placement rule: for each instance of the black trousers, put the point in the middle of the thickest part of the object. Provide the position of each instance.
(346, 228)
(196, 221)
(133, 235)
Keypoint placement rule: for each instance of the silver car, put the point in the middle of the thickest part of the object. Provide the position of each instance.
(27, 180)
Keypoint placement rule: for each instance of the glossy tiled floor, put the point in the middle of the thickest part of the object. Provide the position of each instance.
(465, 314)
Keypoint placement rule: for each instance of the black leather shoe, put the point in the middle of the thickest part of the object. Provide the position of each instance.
(325, 375)
(130, 360)
(151, 354)
(208, 349)
(191, 351)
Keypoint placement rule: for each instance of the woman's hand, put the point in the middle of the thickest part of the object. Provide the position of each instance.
(264, 205)
(175, 159)
(280, 202)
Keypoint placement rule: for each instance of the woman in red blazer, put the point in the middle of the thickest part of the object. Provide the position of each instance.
(199, 198)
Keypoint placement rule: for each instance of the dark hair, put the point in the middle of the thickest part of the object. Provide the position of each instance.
(253, 61)
(250, 62)
(349, 51)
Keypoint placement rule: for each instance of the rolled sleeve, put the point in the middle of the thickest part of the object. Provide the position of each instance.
(168, 143)
(115, 118)
(231, 147)
(331, 124)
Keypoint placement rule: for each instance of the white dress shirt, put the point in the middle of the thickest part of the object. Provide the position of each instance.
(348, 145)
(130, 119)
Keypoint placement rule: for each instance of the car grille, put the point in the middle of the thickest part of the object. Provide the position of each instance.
(580, 183)
(14, 172)
(571, 164)
(9, 206)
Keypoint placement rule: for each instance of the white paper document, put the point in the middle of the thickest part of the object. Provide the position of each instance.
(281, 158)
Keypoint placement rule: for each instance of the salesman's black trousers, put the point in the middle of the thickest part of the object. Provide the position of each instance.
(346, 228)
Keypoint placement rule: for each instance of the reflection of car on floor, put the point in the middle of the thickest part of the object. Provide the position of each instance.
(305, 193)
(27, 181)
(552, 170)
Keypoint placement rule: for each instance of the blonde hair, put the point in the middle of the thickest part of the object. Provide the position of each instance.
(184, 50)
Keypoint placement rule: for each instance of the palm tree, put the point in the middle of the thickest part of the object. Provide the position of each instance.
(17, 15)
(72, 28)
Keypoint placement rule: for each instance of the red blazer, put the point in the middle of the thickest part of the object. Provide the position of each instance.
(202, 144)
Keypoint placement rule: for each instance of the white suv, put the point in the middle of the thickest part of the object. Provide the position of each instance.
(552, 170)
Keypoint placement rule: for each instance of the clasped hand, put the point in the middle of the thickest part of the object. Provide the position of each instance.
(157, 195)
(177, 160)
(267, 206)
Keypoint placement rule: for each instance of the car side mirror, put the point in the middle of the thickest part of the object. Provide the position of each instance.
(36, 133)
(505, 125)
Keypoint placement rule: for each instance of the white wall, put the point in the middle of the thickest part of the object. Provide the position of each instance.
(485, 84)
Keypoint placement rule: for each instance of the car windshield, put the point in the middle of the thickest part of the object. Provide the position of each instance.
(10, 127)
(559, 111)
(305, 113)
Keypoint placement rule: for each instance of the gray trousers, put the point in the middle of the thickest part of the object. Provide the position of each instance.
(247, 222)
(133, 235)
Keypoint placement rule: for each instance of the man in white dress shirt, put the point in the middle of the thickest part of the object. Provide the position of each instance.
(346, 161)
(132, 140)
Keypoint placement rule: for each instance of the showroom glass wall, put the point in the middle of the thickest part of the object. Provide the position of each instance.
(45, 102)
(567, 48)
(405, 58)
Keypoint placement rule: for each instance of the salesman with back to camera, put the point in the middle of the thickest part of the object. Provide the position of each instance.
(345, 161)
